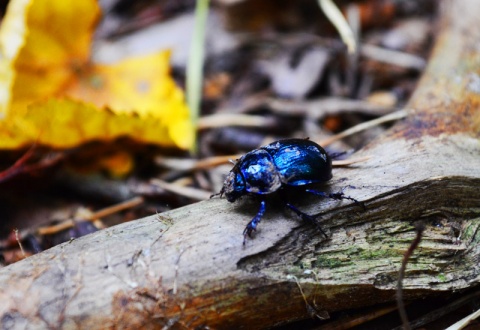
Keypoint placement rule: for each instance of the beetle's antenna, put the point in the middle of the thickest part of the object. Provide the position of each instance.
(218, 194)
(336, 155)
(214, 195)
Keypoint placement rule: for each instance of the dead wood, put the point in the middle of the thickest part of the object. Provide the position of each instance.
(188, 268)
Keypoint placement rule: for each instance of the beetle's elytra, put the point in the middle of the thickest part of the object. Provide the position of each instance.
(277, 166)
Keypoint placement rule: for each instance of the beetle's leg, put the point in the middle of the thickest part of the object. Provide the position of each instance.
(337, 196)
(335, 155)
(217, 194)
(222, 191)
(306, 217)
(252, 225)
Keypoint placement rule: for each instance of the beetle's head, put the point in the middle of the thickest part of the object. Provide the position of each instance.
(233, 186)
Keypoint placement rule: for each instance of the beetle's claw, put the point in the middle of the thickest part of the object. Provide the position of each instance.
(248, 232)
(341, 196)
(244, 237)
(336, 196)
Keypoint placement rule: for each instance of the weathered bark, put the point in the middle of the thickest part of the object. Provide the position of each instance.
(188, 267)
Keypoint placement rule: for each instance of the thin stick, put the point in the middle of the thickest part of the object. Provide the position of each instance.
(444, 310)
(17, 166)
(19, 242)
(338, 20)
(401, 306)
(394, 57)
(231, 119)
(116, 208)
(180, 164)
(346, 162)
(365, 125)
(92, 217)
(465, 321)
(193, 193)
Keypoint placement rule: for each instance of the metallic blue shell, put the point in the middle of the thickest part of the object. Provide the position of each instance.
(300, 162)
(292, 162)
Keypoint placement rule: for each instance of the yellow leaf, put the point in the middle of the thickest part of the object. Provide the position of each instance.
(68, 121)
(51, 93)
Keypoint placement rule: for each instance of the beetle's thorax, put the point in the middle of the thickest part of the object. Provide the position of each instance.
(254, 173)
(233, 186)
(261, 176)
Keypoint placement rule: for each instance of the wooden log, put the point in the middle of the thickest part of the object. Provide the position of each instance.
(188, 268)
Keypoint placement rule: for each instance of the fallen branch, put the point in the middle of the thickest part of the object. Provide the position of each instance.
(188, 267)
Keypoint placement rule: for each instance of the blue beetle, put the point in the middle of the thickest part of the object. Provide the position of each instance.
(278, 165)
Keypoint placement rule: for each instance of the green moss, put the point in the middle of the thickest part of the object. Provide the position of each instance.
(472, 232)
(326, 261)
(374, 252)
(379, 253)
(295, 270)
(441, 277)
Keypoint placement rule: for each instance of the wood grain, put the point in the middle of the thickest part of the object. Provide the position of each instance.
(187, 268)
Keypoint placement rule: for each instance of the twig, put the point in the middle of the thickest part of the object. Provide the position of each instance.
(419, 228)
(19, 242)
(20, 165)
(116, 208)
(310, 309)
(465, 321)
(193, 193)
(336, 18)
(444, 310)
(347, 162)
(365, 125)
(181, 164)
(231, 119)
(394, 57)
(319, 108)
(17, 166)
(92, 217)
